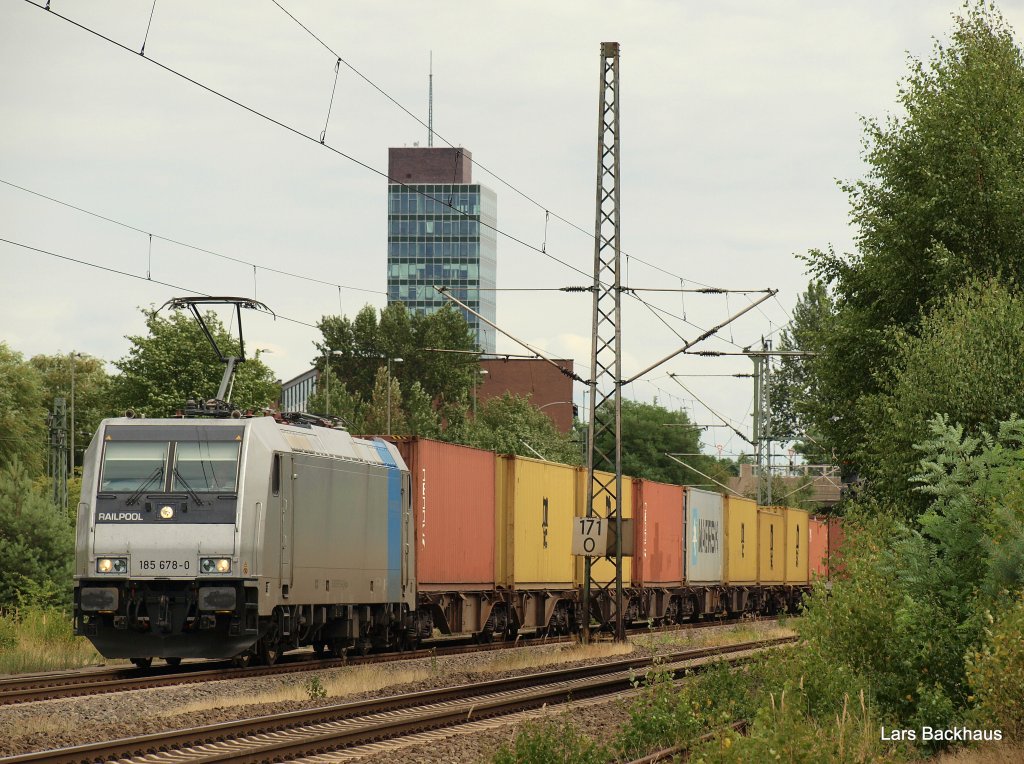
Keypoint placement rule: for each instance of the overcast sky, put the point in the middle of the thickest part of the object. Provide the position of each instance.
(737, 118)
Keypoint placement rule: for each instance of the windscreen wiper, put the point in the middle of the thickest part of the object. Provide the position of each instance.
(158, 472)
(188, 489)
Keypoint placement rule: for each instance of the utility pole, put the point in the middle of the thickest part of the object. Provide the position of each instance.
(606, 357)
(764, 429)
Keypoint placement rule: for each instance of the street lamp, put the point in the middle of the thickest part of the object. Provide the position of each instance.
(396, 360)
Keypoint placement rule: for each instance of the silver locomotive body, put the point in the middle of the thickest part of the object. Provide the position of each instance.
(226, 537)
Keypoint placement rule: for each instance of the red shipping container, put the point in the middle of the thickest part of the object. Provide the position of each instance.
(817, 547)
(453, 508)
(836, 536)
(657, 534)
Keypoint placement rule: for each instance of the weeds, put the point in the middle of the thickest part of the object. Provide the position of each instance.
(41, 639)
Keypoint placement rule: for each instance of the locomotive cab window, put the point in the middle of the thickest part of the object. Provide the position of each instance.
(275, 480)
(130, 466)
(205, 467)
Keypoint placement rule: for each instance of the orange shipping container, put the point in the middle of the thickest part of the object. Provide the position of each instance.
(740, 541)
(796, 546)
(771, 542)
(836, 537)
(536, 503)
(453, 508)
(658, 534)
(817, 546)
(603, 571)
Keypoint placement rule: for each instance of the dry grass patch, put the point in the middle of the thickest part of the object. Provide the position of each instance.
(987, 753)
(517, 659)
(348, 681)
(41, 725)
(713, 637)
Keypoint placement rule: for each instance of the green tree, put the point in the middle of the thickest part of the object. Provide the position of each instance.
(939, 207)
(92, 392)
(357, 348)
(649, 432)
(36, 541)
(965, 361)
(23, 410)
(175, 362)
(510, 424)
(794, 391)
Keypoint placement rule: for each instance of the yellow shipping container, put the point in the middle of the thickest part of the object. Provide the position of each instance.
(797, 551)
(536, 503)
(603, 571)
(771, 545)
(740, 541)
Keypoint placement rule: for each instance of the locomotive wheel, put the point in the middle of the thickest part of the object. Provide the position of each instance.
(142, 663)
(172, 661)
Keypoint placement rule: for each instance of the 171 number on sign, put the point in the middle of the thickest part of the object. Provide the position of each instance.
(590, 536)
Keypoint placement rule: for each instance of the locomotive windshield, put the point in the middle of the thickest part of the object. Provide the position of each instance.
(133, 466)
(205, 467)
(179, 459)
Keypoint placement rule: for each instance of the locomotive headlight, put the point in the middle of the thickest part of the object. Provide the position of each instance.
(215, 565)
(112, 565)
(167, 512)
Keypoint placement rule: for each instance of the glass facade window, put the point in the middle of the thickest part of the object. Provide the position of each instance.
(444, 234)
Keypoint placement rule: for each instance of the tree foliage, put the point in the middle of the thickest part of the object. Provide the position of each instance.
(912, 601)
(175, 362)
(650, 432)
(510, 424)
(965, 361)
(91, 394)
(36, 543)
(938, 209)
(23, 410)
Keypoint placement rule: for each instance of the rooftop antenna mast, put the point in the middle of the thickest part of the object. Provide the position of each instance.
(430, 104)
(221, 404)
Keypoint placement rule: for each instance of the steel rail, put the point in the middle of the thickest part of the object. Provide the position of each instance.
(55, 685)
(279, 736)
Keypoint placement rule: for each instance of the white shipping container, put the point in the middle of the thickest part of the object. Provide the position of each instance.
(705, 537)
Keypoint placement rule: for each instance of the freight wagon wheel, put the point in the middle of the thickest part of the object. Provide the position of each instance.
(242, 661)
(320, 649)
(172, 661)
(269, 653)
(143, 663)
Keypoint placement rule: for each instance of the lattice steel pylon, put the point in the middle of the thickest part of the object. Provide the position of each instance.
(57, 462)
(763, 423)
(606, 357)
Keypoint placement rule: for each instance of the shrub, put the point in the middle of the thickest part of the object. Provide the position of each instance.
(996, 673)
(548, 741)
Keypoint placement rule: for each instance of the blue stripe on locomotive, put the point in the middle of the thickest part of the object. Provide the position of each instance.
(394, 592)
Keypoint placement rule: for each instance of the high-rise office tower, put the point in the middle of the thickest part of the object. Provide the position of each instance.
(441, 231)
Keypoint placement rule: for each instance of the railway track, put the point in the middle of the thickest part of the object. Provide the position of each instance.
(96, 681)
(317, 732)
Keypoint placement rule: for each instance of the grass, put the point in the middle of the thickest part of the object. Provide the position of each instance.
(514, 660)
(347, 681)
(713, 637)
(986, 753)
(35, 639)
